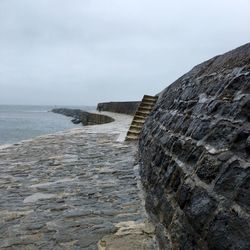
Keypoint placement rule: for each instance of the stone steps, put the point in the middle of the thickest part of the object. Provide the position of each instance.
(138, 122)
(143, 110)
(150, 103)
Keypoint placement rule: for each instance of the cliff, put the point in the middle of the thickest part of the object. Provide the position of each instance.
(128, 108)
(83, 117)
(195, 157)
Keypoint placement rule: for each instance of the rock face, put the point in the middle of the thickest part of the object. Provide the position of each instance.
(128, 108)
(83, 117)
(195, 157)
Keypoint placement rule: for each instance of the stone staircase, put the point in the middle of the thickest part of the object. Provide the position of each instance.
(145, 107)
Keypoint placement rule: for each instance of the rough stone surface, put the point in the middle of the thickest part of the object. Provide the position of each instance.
(130, 235)
(70, 189)
(195, 157)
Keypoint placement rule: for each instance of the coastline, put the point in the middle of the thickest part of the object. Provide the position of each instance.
(70, 189)
(18, 123)
(119, 125)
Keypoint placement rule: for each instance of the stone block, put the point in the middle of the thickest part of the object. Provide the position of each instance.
(241, 143)
(166, 212)
(194, 122)
(229, 230)
(244, 113)
(182, 235)
(243, 195)
(169, 170)
(198, 109)
(159, 159)
(214, 86)
(178, 126)
(208, 168)
(230, 180)
(194, 155)
(248, 146)
(222, 135)
(225, 156)
(176, 179)
(201, 130)
(186, 123)
(189, 93)
(199, 207)
(177, 147)
(214, 107)
(165, 139)
(162, 238)
(246, 88)
(184, 194)
(187, 147)
(151, 205)
(170, 142)
(234, 85)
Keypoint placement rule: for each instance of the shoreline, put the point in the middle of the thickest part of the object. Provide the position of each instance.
(119, 120)
(73, 189)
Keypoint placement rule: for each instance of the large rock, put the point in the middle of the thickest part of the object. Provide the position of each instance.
(195, 157)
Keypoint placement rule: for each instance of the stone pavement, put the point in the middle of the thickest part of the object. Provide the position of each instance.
(68, 190)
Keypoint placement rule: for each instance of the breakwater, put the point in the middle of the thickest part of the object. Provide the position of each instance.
(86, 118)
(195, 157)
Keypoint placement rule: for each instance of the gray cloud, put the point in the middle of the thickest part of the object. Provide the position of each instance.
(87, 51)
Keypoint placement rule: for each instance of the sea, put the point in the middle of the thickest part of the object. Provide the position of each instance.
(20, 122)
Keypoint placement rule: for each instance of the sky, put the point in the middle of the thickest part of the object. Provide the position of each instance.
(81, 52)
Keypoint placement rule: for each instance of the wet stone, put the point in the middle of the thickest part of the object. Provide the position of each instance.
(225, 156)
(183, 195)
(199, 207)
(202, 123)
(222, 135)
(166, 212)
(68, 190)
(208, 168)
(243, 196)
(176, 179)
(230, 180)
(182, 236)
(228, 230)
(163, 241)
(244, 112)
(169, 168)
(194, 155)
(201, 129)
(248, 146)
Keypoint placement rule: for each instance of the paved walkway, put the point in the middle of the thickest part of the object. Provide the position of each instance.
(68, 190)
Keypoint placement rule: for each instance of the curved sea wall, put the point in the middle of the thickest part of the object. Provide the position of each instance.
(71, 190)
(195, 157)
(83, 117)
(128, 108)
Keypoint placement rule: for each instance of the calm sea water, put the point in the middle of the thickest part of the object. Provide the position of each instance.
(25, 122)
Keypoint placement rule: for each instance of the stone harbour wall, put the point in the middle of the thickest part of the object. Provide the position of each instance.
(128, 108)
(72, 189)
(195, 157)
(86, 118)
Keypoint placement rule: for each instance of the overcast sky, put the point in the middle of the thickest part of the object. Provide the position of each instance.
(88, 51)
